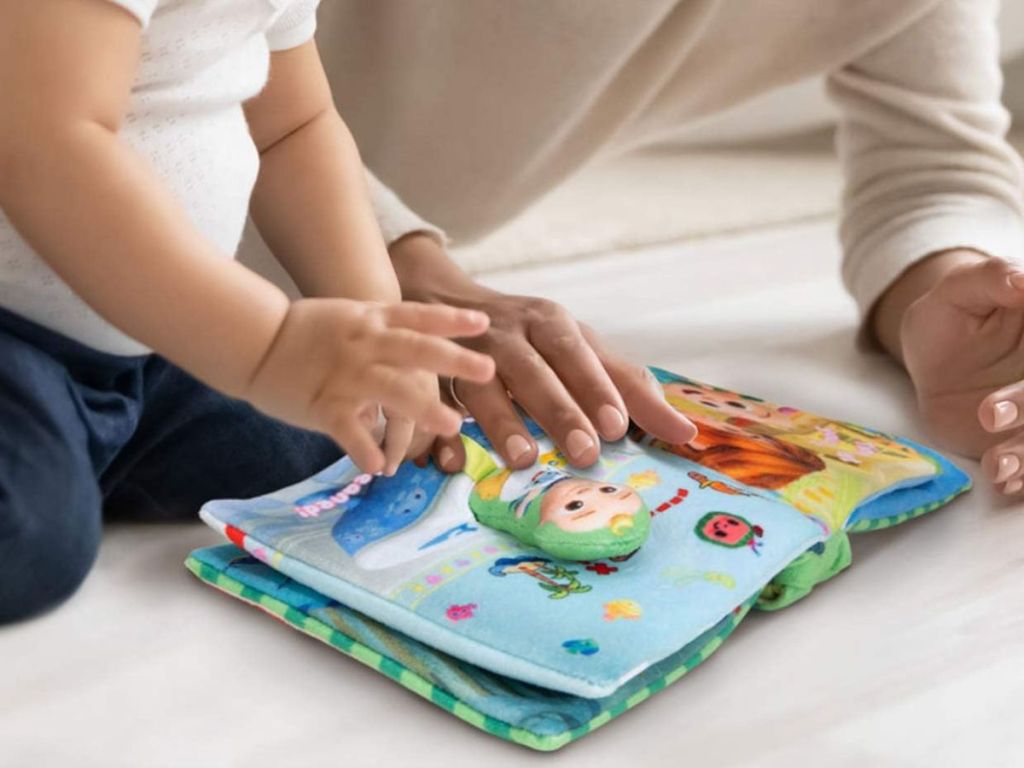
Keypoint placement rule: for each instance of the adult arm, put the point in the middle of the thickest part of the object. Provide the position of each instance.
(932, 222)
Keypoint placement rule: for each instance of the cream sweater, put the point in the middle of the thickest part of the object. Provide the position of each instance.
(471, 110)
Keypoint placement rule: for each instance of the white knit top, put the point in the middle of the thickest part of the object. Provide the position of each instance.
(200, 61)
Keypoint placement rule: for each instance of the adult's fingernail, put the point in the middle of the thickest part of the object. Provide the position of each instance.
(445, 456)
(578, 442)
(516, 446)
(611, 421)
(1014, 486)
(1004, 413)
(1007, 467)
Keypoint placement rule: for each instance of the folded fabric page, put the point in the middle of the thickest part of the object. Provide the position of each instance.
(408, 552)
(518, 712)
(907, 502)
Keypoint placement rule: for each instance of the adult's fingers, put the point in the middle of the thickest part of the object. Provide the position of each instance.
(436, 319)
(537, 388)
(561, 342)
(979, 288)
(397, 438)
(644, 398)
(1003, 464)
(421, 446)
(403, 348)
(489, 404)
(449, 454)
(1003, 410)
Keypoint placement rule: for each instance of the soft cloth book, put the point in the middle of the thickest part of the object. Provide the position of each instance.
(755, 511)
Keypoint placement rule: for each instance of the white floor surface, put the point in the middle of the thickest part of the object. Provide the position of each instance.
(913, 657)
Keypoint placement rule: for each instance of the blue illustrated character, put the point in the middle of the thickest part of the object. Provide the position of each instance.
(388, 505)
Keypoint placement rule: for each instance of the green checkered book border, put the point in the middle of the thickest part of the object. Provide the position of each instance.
(428, 690)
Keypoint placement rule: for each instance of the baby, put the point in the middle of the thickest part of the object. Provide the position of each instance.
(135, 135)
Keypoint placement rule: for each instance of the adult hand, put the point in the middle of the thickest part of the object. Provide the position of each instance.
(548, 363)
(962, 341)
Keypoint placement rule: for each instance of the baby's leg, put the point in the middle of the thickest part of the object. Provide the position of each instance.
(194, 444)
(49, 499)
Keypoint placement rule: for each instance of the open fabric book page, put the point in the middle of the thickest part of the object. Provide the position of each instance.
(760, 487)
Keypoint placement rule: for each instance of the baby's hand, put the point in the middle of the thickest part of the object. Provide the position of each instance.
(402, 440)
(332, 358)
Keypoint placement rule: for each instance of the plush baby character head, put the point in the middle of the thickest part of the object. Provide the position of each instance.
(572, 518)
(577, 505)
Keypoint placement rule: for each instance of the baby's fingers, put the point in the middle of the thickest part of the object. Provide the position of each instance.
(355, 438)
(400, 393)
(408, 349)
(397, 438)
(436, 319)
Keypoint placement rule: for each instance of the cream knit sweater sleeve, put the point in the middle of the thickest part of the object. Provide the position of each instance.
(922, 141)
(395, 218)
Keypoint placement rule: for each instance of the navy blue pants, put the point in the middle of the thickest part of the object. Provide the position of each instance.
(86, 436)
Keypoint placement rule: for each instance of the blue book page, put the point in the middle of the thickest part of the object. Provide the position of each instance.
(408, 552)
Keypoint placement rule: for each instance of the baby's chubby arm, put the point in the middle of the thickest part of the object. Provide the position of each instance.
(311, 202)
(312, 206)
(101, 218)
(96, 211)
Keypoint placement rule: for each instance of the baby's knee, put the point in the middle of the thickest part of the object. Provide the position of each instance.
(45, 553)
